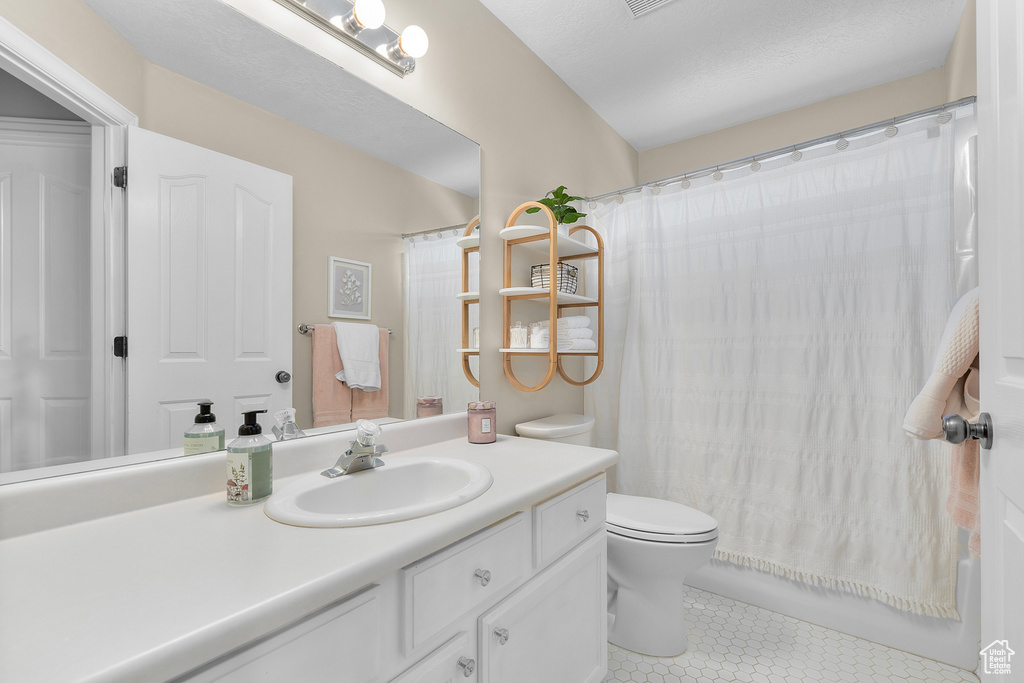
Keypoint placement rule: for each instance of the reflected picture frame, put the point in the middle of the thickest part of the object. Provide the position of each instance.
(349, 288)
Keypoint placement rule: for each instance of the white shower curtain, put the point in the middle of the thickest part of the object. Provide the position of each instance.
(434, 321)
(764, 336)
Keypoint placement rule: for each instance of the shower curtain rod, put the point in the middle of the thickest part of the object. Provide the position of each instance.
(432, 231)
(788, 149)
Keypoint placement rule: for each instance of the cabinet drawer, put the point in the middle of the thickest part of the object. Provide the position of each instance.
(445, 586)
(453, 661)
(308, 651)
(565, 520)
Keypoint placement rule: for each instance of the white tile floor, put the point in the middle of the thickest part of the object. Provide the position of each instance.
(733, 641)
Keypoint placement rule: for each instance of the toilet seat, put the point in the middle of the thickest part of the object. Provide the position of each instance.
(651, 519)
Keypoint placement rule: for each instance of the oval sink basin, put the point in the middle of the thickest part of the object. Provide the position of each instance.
(403, 488)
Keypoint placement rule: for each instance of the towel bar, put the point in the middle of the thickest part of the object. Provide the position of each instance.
(306, 328)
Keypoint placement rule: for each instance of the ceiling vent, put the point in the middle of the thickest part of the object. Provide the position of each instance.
(641, 7)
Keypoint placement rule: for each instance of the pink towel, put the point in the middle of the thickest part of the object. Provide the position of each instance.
(332, 400)
(963, 504)
(367, 405)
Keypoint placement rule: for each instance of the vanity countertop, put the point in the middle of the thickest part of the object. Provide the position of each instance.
(152, 593)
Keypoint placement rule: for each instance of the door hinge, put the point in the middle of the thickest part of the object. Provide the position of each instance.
(121, 177)
(121, 347)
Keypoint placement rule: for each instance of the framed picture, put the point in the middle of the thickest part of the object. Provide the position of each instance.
(349, 283)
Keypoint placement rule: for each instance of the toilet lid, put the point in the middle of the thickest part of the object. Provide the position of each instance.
(658, 520)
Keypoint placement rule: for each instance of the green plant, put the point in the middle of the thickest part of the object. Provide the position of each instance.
(558, 201)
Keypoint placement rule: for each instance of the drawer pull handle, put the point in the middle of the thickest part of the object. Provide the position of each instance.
(583, 515)
(483, 576)
(466, 666)
(501, 635)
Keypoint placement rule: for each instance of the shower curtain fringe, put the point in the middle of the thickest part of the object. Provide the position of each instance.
(839, 584)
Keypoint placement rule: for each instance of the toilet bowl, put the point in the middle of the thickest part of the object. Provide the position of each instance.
(652, 545)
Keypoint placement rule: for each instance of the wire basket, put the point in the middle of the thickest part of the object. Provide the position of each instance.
(540, 276)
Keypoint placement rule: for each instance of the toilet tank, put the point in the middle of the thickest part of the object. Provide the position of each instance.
(574, 429)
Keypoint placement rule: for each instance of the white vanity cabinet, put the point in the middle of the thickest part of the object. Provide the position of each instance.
(340, 643)
(554, 628)
(522, 601)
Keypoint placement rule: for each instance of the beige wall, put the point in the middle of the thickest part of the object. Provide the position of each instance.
(478, 78)
(955, 80)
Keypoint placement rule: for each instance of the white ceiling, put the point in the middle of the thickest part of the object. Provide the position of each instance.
(694, 66)
(211, 43)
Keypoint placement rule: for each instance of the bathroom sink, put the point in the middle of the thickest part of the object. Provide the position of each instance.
(403, 488)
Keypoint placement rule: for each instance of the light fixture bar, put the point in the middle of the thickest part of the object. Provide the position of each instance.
(399, 68)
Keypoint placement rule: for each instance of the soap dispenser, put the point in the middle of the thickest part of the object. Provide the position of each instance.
(205, 436)
(250, 463)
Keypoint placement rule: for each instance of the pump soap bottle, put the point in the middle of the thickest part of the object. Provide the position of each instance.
(250, 463)
(205, 436)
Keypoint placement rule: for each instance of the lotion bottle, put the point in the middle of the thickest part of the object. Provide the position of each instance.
(250, 464)
(205, 436)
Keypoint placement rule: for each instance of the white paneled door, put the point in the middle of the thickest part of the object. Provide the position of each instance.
(45, 294)
(209, 288)
(1001, 222)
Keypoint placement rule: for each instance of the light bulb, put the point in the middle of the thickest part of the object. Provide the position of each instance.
(414, 41)
(369, 13)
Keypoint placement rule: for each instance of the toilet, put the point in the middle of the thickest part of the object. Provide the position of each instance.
(652, 545)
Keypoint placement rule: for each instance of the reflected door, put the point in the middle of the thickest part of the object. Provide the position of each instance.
(45, 404)
(209, 288)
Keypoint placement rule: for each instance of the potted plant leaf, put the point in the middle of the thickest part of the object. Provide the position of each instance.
(558, 201)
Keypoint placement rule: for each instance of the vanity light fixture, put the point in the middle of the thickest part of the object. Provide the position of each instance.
(360, 25)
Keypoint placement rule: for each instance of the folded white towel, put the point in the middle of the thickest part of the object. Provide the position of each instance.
(359, 348)
(575, 333)
(569, 322)
(577, 345)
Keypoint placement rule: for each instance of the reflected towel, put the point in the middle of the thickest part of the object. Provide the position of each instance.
(367, 405)
(359, 348)
(332, 400)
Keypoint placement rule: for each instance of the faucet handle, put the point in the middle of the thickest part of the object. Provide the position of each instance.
(367, 432)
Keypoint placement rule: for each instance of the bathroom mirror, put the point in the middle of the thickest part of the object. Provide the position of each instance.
(397, 171)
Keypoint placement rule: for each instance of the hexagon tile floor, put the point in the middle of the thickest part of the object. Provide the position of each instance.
(733, 641)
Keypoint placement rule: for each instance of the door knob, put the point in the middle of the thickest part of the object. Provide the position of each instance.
(501, 635)
(957, 430)
(283, 377)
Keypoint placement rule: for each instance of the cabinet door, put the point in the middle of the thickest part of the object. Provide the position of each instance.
(341, 643)
(554, 629)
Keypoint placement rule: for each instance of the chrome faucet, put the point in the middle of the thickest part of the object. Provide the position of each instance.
(362, 455)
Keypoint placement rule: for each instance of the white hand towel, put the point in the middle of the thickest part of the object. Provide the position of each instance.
(577, 345)
(957, 350)
(569, 322)
(575, 333)
(359, 348)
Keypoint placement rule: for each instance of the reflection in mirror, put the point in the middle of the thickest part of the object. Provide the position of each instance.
(205, 82)
(434, 317)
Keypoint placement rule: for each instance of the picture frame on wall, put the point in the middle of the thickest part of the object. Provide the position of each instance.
(349, 286)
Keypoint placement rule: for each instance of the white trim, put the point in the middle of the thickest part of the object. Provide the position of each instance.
(37, 67)
(44, 133)
(30, 62)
